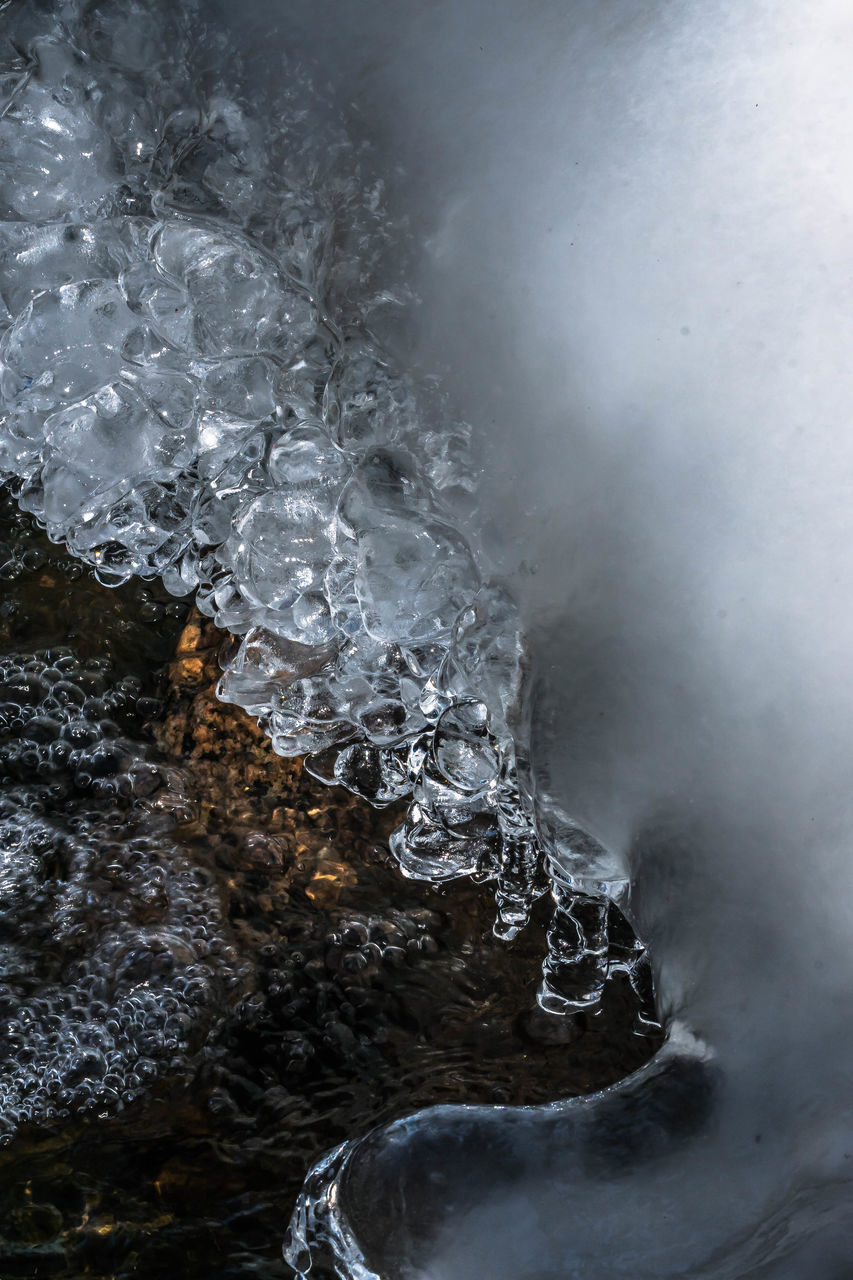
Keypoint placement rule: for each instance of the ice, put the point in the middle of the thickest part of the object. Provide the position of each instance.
(365, 403)
(36, 256)
(203, 376)
(66, 343)
(109, 438)
(576, 966)
(427, 850)
(54, 158)
(263, 663)
(239, 298)
(163, 303)
(464, 751)
(242, 387)
(128, 39)
(20, 442)
(412, 574)
(411, 582)
(486, 652)
(634, 219)
(279, 549)
(305, 457)
(386, 484)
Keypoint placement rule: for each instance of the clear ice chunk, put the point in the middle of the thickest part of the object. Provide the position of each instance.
(465, 753)
(35, 257)
(108, 441)
(240, 301)
(411, 580)
(54, 157)
(65, 344)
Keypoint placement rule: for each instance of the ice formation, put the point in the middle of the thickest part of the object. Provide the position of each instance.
(638, 266)
(638, 257)
(191, 388)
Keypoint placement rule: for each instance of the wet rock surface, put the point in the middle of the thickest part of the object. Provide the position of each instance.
(355, 995)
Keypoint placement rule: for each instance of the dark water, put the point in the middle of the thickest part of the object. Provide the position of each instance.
(354, 997)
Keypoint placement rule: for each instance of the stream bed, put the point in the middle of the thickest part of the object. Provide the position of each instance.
(345, 995)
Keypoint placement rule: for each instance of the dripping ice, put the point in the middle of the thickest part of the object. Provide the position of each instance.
(636, 275)
(191, 388)
(718, 760)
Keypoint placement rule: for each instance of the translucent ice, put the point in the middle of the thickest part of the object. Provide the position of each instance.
(65, 344)
(238, 300)
(190, 386)
(54, 157)
(635, 230)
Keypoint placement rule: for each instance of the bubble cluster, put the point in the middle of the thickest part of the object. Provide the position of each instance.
(190, 387)
(323, 1007)
(113, 958)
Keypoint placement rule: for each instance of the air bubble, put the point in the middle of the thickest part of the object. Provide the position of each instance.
(117, 937)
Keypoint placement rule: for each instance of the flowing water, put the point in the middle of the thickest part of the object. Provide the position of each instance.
(587, 656)
(351, 996)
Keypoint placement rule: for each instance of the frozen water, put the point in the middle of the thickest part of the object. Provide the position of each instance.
(65, 344)
(39, 256)
(54, 157)
(204, 381)
(190, 387)
(236, 299)
(465, 753)
(635, 228)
